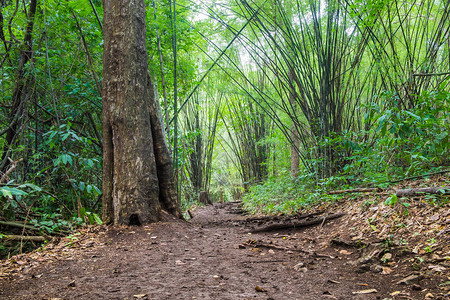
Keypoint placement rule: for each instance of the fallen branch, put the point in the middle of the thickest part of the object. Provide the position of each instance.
(36, 238)
(301, 224)
(18, 225)
(421, 191)
(358, 190)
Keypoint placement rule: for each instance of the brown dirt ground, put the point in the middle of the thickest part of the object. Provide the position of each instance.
(213, 256)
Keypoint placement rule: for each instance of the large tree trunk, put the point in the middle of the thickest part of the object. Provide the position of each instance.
(135, 182)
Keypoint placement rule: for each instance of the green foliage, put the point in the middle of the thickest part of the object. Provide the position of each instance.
(91, 217)
(401, 142)
(281, 194)
(391, 200)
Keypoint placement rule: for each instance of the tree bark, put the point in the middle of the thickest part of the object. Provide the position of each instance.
(137, 172)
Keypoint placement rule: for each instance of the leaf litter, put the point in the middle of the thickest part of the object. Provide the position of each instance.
(374, 251)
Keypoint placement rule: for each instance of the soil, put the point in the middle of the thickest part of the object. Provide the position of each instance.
(215, 256)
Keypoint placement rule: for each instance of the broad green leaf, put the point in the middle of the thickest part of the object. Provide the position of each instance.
(97, 219)
(10, 192)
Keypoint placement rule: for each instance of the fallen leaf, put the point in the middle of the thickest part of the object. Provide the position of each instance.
(345, 252)
(141, 296)
(333, 281)
(395, 293)
(437, 268)
(386, 270)
(386, 257)
(363, 284)
(409, 279)
(260, 289)
(370, 291)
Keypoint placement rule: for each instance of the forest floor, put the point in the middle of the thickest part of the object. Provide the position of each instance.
(216, 256)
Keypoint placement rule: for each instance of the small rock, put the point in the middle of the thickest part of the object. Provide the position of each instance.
(363, 268)
(376, 268)
(71, 284)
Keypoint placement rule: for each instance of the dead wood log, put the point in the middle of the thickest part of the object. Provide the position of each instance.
(36, 238)
(358, 190)
(422, 191)
(301, 224)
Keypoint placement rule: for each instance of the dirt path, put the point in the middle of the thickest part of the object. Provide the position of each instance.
(211, 257)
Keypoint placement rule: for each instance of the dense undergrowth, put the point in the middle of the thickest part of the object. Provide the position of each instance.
(402, 143)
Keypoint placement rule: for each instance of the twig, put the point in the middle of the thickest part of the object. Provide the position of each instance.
(13, 165)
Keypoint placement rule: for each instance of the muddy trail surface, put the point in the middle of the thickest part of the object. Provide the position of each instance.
(219, 254)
